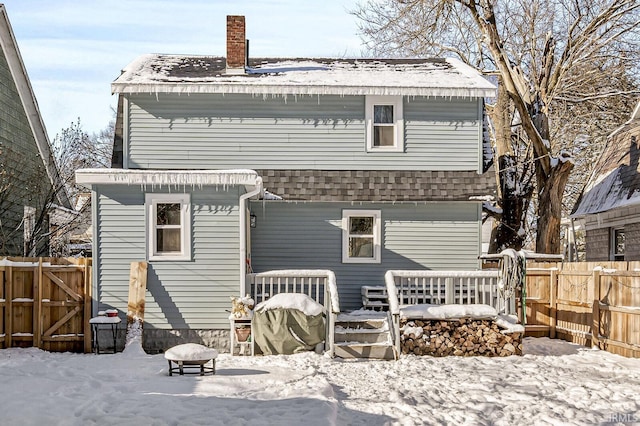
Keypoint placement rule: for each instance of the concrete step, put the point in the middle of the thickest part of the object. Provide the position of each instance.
(364, 350)
(364, 324)
(362, 335)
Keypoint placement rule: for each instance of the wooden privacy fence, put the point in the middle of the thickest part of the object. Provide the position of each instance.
(45, 303)
(588, 303)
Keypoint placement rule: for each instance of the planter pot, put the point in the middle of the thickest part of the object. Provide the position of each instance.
(242, 334)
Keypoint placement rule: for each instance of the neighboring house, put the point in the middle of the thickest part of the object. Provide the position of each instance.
(369, 166)
(29, 180)
(610, 202)
(71, 230)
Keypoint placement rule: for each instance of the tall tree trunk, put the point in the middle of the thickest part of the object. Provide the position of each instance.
(551, 186)
(550, 209)
(505, 232)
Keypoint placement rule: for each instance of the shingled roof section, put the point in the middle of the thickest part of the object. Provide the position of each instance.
(615, 181)
(377, 185)
(154, 73)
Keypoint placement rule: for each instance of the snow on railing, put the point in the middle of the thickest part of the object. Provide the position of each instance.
(318, 284)
(446, 287)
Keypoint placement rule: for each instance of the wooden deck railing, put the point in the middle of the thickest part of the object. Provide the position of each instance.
(447, 287)
(319, 285)
(443, 287)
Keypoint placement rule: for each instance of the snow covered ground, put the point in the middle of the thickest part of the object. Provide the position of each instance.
(553, 383)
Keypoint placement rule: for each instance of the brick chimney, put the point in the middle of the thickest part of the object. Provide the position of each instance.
(236, 45)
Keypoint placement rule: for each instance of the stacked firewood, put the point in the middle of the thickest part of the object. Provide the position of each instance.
(463, 337)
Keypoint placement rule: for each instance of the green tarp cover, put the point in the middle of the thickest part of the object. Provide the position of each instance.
(287, 331)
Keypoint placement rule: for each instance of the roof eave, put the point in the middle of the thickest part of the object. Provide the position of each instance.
(257, 89)
(169, 178)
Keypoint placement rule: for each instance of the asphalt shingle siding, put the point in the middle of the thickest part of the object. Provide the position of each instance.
(373, 185)
(597, 245)
(632, 236)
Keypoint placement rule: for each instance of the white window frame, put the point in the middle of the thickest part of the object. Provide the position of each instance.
(398, 118)
(151, 202)
(377, 232)
(612, 252)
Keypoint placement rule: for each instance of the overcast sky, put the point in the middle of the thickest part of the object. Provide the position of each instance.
(74, 49)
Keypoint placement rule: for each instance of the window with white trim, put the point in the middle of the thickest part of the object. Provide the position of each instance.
(361, 231)
(385, 123)
(617, 244)
(169, 226)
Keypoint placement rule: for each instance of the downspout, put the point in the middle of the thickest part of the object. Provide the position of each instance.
(243, 233)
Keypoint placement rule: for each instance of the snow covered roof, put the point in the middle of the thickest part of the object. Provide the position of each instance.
(159, 73)
(615, 181)
(168, 177)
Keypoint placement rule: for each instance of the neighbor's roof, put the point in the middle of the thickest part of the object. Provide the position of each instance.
(615, 181)
(157, 73)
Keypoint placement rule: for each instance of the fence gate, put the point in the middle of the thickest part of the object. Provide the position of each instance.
(45, 305)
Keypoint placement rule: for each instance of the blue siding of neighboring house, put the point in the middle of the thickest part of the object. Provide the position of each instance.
(209, 131)
(180, 294)
(444, 236)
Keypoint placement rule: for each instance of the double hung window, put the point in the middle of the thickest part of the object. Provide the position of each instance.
(169, 226)
(361, 231)
(385, 123)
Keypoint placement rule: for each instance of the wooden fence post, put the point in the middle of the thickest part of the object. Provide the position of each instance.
(37, 305)
(135, 305)
(595, 314)
(88, 300)
(553, 295)
(8, 307)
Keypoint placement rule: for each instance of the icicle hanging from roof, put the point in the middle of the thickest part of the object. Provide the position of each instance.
(175, 178)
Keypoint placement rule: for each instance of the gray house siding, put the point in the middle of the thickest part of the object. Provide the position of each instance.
(597, 245)
(632, 232)
(414, 236)
(180, 294)
(23, 178)
(208, 131)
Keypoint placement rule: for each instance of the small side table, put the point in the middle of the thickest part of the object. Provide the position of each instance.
(191, 355)
(105, 323)
(236, 324)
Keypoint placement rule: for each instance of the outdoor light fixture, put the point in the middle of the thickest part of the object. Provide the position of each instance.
(253, 220)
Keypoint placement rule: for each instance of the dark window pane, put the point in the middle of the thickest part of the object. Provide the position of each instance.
(168, 214)
(167, 240)
(361, 247)
(383, 135)
(361, 225)
(383, 114)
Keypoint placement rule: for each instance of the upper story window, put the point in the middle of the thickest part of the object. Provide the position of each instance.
(169, 226)
(385, 123)
(361, 231)
(617, 244)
